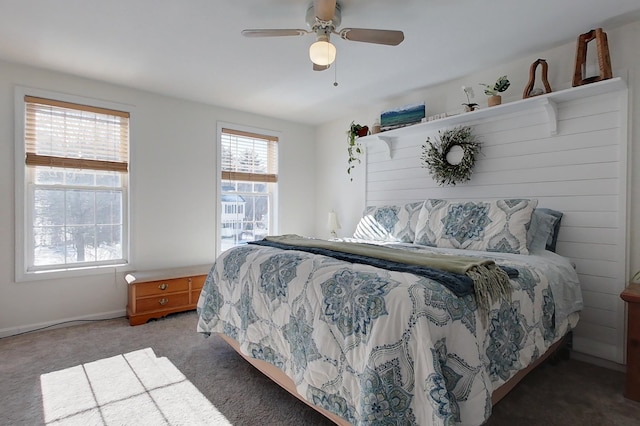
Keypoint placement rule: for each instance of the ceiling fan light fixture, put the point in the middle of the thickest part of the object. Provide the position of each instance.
(322, 53)
(323, 18)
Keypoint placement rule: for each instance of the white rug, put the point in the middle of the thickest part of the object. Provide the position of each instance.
(136, 388)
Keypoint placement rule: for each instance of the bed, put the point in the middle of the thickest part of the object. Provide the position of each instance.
(370, 339)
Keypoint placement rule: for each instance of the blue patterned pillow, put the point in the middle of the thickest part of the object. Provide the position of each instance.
(389, 223)
(495, 225)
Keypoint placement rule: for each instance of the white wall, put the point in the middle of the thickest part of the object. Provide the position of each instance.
(347, 198)
(173, 183)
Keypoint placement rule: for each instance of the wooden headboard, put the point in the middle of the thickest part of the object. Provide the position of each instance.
(567, 149)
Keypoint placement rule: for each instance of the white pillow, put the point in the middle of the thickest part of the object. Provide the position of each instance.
(494, 225)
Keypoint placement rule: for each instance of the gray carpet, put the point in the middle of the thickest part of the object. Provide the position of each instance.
(570, 393)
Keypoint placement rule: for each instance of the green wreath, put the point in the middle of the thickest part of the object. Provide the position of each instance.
(434, 155)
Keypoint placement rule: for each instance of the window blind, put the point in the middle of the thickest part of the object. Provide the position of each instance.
(69, 135)
(249, 156)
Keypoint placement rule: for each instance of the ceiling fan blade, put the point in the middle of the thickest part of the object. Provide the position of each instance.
(273, 33)
(317, 67)
(324, 9)
(388, 37)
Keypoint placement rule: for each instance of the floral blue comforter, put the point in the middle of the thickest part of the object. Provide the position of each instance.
(383, 347)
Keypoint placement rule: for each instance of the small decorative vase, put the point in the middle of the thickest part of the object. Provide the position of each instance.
(364, 131)
(494, 100)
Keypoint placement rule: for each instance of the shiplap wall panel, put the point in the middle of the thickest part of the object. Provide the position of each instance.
(596, 268)
(514, 190)
(550, 144)
(597, 250)
(606, 317)
(580, 171)
(551, 159)
(590, 219)
(599, 300)
(597, 283)
(602, 235)
(601, 337)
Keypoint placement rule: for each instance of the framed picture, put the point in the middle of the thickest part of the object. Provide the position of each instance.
(402, 116)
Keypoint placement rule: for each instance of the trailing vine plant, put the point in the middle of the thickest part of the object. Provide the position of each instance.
(434, 155)
(354, 147)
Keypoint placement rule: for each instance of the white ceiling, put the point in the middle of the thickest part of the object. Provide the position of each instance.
(193, 49)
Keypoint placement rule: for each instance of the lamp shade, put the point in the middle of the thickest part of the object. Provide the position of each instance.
(332, 222)
(322, 53)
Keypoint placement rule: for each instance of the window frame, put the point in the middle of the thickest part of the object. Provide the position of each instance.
(273, 195)
(23, 188)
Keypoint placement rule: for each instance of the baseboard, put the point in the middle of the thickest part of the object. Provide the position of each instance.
(579, 356)
(63, 322)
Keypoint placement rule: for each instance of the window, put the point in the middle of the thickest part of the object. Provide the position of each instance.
(249, 165)
(76, 175)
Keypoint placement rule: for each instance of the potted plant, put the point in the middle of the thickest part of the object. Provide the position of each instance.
(355, 148)
(501, 85)
(469, 106)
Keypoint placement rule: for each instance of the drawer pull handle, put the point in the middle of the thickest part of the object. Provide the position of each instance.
(163, 301)
(163, 286)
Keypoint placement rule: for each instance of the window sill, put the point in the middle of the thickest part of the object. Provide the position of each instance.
(49, 275)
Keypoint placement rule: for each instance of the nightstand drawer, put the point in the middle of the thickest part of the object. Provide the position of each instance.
(161, 287)
(198, 282)
(167, 301)
(195, 295)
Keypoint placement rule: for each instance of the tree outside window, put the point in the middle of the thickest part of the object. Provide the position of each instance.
(76, 175)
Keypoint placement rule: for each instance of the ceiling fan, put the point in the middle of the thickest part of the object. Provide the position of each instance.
(323, 18)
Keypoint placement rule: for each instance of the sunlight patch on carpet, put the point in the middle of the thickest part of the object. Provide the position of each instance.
(128, 389)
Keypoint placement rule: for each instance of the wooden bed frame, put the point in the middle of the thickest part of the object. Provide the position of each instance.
(284, 381)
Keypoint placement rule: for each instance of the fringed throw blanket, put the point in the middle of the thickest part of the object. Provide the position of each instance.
(462, 275)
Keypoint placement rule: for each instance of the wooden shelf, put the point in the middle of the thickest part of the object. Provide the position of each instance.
(548, 102)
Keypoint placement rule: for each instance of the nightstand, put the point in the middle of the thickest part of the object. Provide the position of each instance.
(157, 293)
(631, 295)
